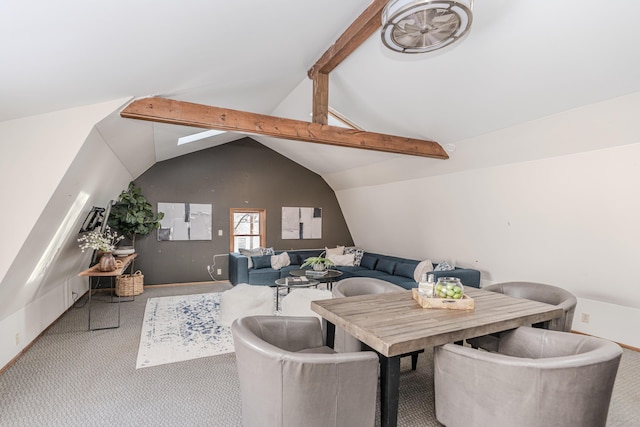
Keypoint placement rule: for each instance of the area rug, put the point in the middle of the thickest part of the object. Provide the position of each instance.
(180, 328)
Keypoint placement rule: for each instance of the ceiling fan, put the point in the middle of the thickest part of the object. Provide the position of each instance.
(418, 26)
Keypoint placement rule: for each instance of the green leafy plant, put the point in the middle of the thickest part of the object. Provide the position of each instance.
(132, 214)
(317, 260)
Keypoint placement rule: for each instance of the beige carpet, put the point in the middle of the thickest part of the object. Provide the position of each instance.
(72, 377)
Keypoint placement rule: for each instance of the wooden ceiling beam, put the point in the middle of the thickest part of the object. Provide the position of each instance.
(359, 31)
(163, 110)
(320, 99)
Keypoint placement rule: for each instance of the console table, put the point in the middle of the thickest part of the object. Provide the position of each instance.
(94, 271)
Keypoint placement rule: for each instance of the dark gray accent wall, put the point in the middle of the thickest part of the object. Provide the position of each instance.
(239, 174)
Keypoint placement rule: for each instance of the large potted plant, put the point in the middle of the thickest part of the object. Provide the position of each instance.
(132, 214)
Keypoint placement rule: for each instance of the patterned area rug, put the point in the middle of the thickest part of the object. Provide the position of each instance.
(181, 328)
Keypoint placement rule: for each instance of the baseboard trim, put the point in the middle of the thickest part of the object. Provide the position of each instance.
(33, 341)
(628, 347)
(163, 285)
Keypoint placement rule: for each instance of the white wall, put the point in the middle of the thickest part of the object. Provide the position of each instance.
(54, 168)
(568, 218)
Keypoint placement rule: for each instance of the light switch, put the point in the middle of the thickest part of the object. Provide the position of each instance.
(219, 232)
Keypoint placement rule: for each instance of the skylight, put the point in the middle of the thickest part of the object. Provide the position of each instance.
(200, 135)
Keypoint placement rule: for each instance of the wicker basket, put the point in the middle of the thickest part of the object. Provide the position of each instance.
(129, 285)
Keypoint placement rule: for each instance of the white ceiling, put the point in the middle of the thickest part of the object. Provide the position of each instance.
(523, 60)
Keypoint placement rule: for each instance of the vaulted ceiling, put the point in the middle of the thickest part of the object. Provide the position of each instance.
(523, 60)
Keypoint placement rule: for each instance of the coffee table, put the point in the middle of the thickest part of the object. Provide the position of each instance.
(327, 278)
(292, 283)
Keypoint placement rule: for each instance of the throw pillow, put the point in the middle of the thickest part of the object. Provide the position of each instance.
(294, 259)
(386, 266)
(280, 260)
(358, 254)
(422, 268)
(338, 250)
(368, 261)
(346, 259)
(443, 266)
(251, 252)
(404, 270)
(261, 261)
(268, 251)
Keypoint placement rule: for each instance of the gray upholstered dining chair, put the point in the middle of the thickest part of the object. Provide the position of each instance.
(540, 292)
(355, 286)
(536, 378)
(288, 378)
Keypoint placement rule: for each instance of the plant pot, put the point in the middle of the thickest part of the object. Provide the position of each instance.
(319, 267)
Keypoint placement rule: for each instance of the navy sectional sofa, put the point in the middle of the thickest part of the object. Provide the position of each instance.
(384, 267)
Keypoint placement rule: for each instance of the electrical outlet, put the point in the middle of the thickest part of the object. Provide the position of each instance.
(219, 271)
(585, 317)
(219, 232)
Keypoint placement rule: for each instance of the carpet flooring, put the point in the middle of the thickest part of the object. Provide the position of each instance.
(73, 377)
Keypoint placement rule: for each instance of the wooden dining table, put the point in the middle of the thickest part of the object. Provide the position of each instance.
(394, 324)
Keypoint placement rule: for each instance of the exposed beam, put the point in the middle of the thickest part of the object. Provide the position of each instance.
(320, 99)
(359, 31)
(182, 113)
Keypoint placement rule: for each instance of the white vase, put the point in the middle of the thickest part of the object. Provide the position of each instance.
(319, 266)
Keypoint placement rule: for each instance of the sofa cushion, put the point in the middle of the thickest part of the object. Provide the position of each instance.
(405, 270)
(444, 266)
(265, 276)
(399, 280)
(294, 259)
(368, 261)
(386, 266)
(357, 254)
(346, 259)
(338, 250)
(280, 260)
(350, 270)
(251, 252)
(261, 261)
(422, 268)
(373, 273)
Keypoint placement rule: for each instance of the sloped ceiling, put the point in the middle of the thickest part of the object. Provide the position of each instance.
(523, 60)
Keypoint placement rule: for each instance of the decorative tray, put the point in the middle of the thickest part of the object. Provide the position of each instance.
(464, 303)
(313, 273)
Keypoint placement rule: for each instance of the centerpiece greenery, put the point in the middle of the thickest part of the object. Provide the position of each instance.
(317, 262)
(132, 214)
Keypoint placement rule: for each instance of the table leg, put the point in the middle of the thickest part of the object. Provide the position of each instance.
(331, 334)
(389, 390)
(112, 293)
(277, 296)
